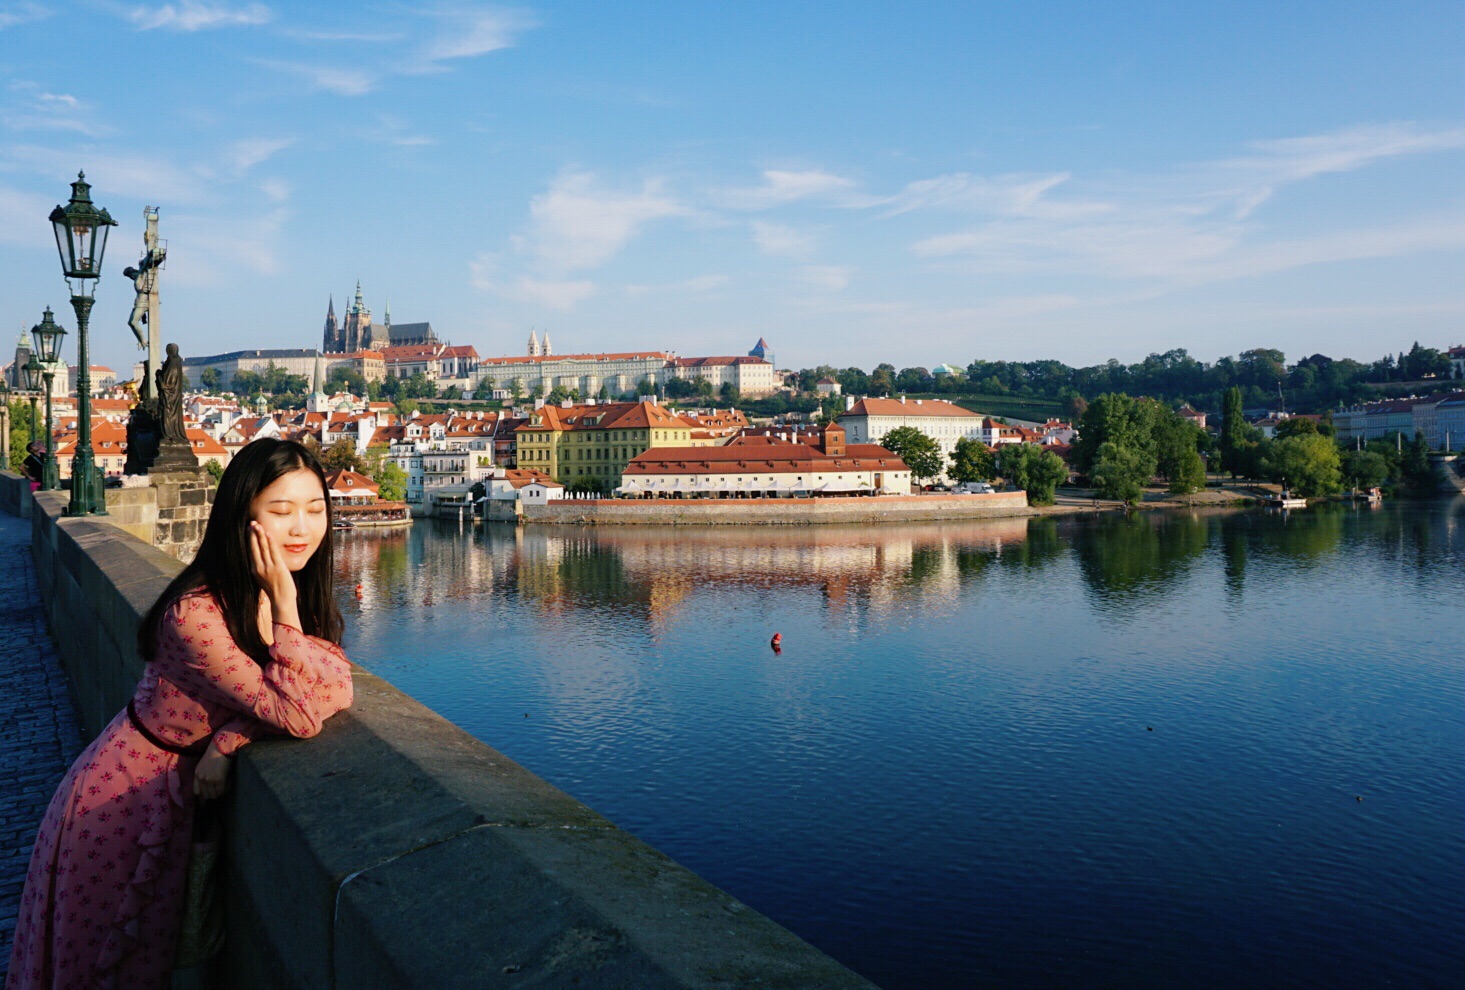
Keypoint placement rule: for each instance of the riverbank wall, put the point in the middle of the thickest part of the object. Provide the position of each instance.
(777, 511)
(395, 850)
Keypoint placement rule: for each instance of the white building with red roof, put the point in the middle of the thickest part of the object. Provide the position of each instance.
(768, 467)
(869, 419)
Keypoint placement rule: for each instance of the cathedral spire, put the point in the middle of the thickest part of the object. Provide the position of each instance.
(387, 317)
(533, 344)
(331, 307)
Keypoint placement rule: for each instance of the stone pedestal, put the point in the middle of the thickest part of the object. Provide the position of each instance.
(184, 501)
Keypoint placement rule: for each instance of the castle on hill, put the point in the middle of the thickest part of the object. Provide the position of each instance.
(358, 333)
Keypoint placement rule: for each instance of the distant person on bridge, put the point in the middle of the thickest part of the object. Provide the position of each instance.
(242, 644)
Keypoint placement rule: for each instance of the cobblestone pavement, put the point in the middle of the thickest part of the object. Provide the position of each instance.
(39, 736)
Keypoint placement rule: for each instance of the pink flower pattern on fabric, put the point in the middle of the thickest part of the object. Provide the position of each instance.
(103, 901)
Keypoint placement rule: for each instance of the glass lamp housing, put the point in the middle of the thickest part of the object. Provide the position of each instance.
(81, 232)
(48, 335)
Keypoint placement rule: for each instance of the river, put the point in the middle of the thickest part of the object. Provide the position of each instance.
(1208, 749)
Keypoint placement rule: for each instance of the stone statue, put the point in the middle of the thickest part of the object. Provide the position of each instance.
(143, 426)
(170, 398)
(144, 318)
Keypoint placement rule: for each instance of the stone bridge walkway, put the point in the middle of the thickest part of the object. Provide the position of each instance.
(39, 736)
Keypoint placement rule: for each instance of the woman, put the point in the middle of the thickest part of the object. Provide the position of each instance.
(241, 644)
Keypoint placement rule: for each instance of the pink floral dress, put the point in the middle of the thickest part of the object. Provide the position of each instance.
(104, 894)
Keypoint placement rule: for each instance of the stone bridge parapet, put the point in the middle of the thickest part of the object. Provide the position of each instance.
(396, 850)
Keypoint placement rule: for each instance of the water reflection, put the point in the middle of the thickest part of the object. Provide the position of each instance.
(1128, 563)
(953, 732)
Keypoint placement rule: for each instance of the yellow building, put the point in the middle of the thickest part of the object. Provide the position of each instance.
(574, 443)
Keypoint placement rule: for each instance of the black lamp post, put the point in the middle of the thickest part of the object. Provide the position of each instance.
(81, 239)
(47, 337)
(32, 369)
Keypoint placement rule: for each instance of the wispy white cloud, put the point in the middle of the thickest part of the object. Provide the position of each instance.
(557, 294)
(698, 285)
(781, 239)
(34, 108)
(561, 295)
(245, 154)
(781, 187)
(1187, 226)
(332, 79)
(825, 278)
(209, 250)
(23, 218)
(578, 224)
(22, 12)
(470, 31)
(121, 173)
(431, 39)
(197, 15)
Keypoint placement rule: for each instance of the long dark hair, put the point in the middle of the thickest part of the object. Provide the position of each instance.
(223, 564)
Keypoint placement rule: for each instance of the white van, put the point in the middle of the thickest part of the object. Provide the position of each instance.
(973, 488)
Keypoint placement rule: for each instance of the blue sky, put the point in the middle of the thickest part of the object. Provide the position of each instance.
(856, 182)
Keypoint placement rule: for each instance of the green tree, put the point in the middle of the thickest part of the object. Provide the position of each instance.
(972, 460)
(1177, 442)
(1036, 471)
(1238, 438)
(604, 394)
(344, 379)
(1365, 468)
(391, 482)
(1116, 418)
(1415, 467)
(247, 383)
(406, 407)
(921, 453)
(20, 432)
(557, 395)
(484, 389)
(728, 393)
(211, 379)
(644, 387)
(1297, 426)
(1122, 472)
(703, 387)
(1190, 476)
(882, 380)
(589, 486)
(1308, 464)
(341, 454)
(516, 388)
(213, 467)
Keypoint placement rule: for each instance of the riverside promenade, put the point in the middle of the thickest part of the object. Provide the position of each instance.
(39, 734)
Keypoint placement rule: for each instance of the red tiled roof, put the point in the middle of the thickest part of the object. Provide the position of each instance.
(910, 407)
(627, 356)
(763, 455)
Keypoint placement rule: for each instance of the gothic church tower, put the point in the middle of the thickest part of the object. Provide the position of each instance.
(534, 350)
(331, 342)
(357, 329)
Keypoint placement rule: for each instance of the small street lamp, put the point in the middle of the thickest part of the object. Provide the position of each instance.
(81, 240)
(47, 337)
(32, 369)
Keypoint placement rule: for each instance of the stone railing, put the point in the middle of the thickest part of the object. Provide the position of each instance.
(395, 850)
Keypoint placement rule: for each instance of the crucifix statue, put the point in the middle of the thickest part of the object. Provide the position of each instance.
(145, 424)
(144, 319)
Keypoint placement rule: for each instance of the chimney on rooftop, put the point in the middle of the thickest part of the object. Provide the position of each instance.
(902, 400)
(539, 403)
(849, 402)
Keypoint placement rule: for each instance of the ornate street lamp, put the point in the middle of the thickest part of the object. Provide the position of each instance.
(32, 369)
(47, 337)
(81, 239)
